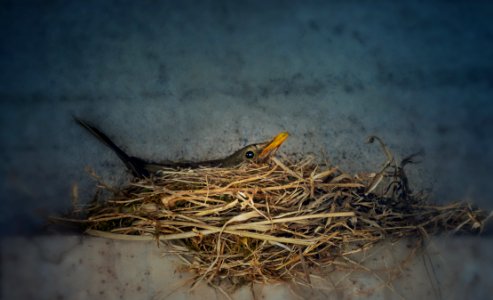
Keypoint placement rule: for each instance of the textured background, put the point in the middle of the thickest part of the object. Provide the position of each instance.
(198, 79)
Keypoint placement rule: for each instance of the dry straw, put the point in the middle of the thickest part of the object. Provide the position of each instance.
(272, 222)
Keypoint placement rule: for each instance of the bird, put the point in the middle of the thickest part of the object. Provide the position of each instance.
(141, 168)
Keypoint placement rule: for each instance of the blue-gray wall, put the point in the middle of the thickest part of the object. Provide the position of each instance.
(198, 79)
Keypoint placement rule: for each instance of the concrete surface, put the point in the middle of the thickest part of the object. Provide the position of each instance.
(198, 79)
(69, 267)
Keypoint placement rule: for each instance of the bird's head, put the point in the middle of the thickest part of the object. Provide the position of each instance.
(256, 152)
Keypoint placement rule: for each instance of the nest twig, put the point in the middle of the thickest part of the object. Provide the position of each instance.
(272, 222)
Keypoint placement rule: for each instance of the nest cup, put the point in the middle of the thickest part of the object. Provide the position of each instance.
(280, 221)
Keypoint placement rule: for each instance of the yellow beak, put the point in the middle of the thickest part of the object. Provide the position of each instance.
(274, 144)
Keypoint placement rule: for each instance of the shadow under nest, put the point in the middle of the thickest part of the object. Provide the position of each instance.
(279, 221)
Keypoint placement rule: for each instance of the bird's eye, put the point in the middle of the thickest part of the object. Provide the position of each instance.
(249, 154)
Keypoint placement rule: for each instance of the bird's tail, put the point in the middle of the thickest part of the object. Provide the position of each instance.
(134, 164)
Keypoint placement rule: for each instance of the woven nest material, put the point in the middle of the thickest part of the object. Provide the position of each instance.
(272, 222)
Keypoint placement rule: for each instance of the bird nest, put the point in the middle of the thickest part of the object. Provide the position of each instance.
(271, 222)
